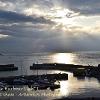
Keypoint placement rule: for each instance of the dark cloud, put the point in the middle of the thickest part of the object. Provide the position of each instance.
(27, 31)
(9, 16)
(86, 7)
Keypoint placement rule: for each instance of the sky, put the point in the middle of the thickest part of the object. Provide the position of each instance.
(49, 25)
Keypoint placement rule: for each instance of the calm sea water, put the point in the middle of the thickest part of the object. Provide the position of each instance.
(73, 87)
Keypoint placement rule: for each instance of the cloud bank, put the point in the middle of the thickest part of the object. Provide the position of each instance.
(49, 25)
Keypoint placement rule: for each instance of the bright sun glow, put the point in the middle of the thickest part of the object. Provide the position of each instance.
(63, 58)
(62, 13)
(63, 21)
(59, 15)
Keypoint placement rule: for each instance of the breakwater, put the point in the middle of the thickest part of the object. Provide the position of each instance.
(57, 66)
(8, 67)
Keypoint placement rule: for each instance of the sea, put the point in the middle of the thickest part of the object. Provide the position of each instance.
(73, 87)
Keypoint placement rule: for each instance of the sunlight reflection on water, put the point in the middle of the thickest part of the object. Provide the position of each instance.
(72, 86)
(65, 58)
